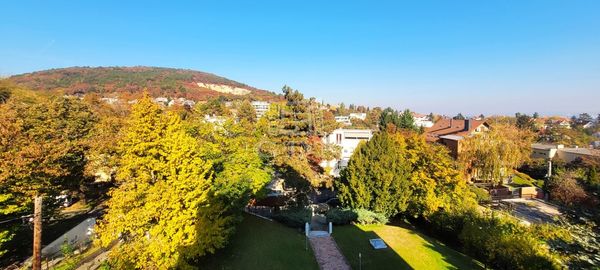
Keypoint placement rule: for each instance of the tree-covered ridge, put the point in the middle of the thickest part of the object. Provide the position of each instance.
(133, 81)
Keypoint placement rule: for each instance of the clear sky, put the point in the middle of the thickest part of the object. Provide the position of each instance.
(443, 56)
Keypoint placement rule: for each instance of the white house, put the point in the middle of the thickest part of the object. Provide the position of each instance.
(348, 140)
(109, 100)
(213, 119)
(361, 116)
(260, 107)
(589, 125)
(344, 120)
(422, 120)
(162, 100)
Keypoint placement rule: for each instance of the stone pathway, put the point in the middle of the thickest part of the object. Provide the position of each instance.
(327, 252)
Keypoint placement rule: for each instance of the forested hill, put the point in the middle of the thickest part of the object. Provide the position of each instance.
(132, 81)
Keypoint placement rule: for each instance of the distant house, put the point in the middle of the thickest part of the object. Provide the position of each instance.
(213, 119)
(348, 140)
(162, 100)
(559, 151)
(450, 132)
(345, 120)
(589, 125)
(109, 100)
(559, 122)
(260, 107)
(553, 152)
(361, 116)
(422, 120)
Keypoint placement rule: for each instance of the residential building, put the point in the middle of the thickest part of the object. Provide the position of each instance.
(218, 120)
(553, 152)
(260, 107)
(348, 140)
(109, 100)
(422, 120)
(345, 120)
(361, 116)
(589, 125)
(559, 151)
(162, 100)
(450, 132)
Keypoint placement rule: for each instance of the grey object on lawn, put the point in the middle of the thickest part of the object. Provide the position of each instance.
(377, 243)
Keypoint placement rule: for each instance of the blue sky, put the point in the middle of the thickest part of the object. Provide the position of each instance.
(491, 57)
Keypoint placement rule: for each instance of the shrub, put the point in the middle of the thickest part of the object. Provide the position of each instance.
(341, 216)
(497, 240)
(294, 217)
(481, 195)
(365, 216)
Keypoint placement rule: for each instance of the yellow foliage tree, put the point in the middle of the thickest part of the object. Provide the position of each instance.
(491, 155)
(163, 190)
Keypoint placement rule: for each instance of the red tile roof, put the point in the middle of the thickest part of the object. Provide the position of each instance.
(448, 126)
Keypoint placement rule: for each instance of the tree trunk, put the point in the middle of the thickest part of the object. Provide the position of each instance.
(37, 234)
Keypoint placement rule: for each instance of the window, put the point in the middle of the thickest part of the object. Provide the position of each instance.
(338, 138)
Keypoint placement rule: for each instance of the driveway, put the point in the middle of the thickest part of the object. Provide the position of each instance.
(534, 210)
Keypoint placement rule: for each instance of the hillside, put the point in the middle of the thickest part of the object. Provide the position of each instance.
(132, 81)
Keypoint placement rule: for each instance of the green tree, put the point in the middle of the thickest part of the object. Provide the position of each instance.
(459, 116)
(406, 120)
(525, 122)
(389, 117)
(377, 177)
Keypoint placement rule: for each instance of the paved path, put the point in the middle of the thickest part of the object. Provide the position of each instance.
(327, 253)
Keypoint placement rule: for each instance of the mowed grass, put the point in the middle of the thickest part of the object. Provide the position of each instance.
(262, 244)
(407, 249)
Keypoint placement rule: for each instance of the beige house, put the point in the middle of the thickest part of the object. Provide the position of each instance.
(559, 151)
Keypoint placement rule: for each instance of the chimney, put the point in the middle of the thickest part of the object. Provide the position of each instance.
(467, 124)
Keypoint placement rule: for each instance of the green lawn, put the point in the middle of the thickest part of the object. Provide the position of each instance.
(407, 249)
(262, 244)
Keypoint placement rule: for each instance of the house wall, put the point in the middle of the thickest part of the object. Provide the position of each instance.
(348, 140)
(452, 145)
(543, 153)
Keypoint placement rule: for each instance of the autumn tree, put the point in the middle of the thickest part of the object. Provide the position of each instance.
(163, 187)
(215, 106)
(42, 151)
(246, 112)
(420, 177)
(436, 182)
(565, 189)
(491, 156)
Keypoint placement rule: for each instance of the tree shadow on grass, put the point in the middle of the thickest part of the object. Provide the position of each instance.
(352, 240)
(454, 258)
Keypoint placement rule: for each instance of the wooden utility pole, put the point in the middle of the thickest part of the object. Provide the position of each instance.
(37, 233)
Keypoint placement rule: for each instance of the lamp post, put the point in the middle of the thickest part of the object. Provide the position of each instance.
(359, 261)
